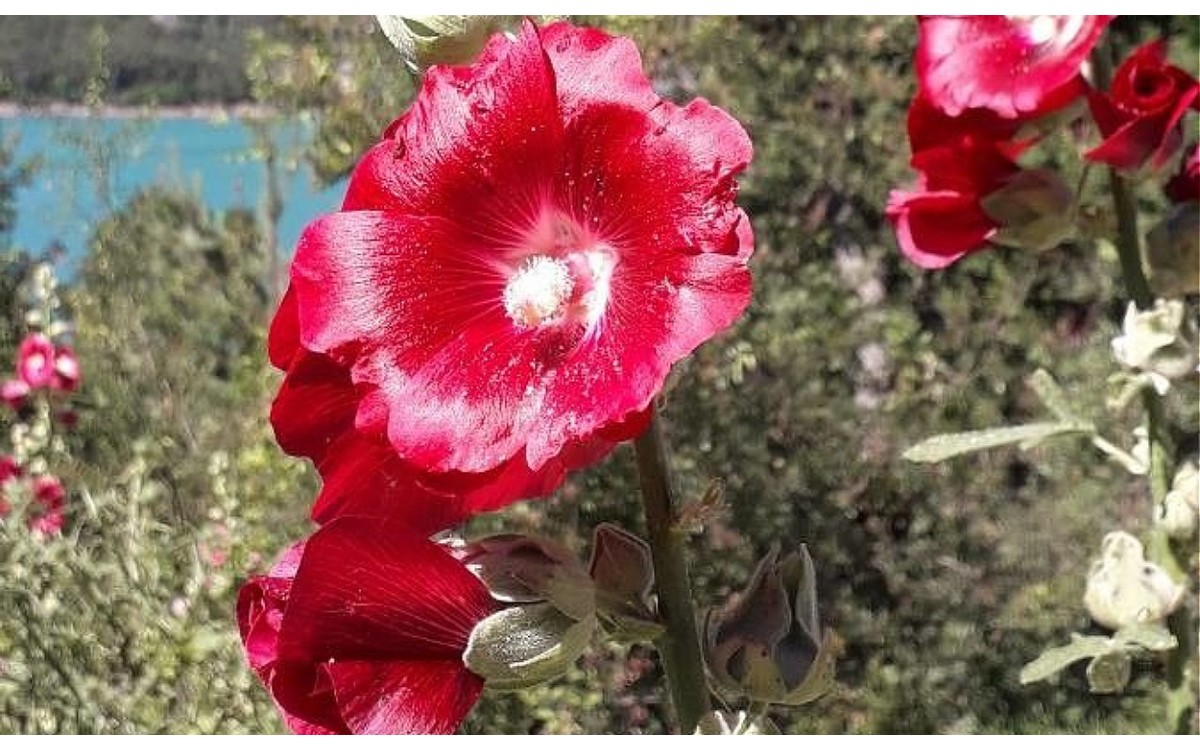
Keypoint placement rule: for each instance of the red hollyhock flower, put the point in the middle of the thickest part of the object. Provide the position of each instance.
(516, 268)
(46, 511)
(313, 416)
(362, 629)
(942, 219)
(1140, 117)
(1184, 186)
(1018, 67)
(35, 360)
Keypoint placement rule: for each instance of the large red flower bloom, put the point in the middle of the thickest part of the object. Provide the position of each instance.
(1018, 67)
(942, 219)
(518, 265)
(361, 629)
(1140, 117)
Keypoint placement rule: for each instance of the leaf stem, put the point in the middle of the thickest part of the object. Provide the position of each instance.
(679, 645)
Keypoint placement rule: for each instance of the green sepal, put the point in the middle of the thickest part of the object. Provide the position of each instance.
(523, 646)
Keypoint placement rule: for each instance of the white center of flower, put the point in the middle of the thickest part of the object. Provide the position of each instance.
(538, 291)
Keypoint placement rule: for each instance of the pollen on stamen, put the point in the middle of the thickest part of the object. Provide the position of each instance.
(538, 291)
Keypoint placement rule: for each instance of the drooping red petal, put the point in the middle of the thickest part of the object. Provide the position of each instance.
(376, 591)
(996, 63)
(283, 339)
(404, 697)
(935, 229)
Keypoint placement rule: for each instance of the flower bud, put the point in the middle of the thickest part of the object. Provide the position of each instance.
(1109, 673)
(1173, 252)
(551, 619)
(1033, 210)
(1160, 342)
(766, 642)
(1124, 589)
(1179, 514)
(438, 40)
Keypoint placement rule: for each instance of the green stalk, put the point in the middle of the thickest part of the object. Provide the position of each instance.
(1180, 662)
(679, 646)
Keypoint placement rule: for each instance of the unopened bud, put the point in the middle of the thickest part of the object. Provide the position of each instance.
(439, 40)
(1033, 210)
(1179, 514)
(766, 643)
(1173, 252)
(551, 618)
(1124, 589)
(1109, 673)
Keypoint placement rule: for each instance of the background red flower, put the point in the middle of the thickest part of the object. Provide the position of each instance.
(1140, 117)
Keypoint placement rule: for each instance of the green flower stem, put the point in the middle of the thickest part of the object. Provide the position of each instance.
(679, 646)
(1180, 661)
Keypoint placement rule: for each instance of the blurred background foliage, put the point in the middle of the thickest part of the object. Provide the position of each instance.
(942, 581)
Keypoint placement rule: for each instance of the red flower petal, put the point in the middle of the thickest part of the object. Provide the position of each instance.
(404, 697)
(316, 403)
(35, 360)
(370, 590)
(1018, 68)
(935, 229)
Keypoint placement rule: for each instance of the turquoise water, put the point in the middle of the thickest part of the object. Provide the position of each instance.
(90, 166)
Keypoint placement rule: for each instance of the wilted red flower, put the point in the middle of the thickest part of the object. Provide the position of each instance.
(361, 629)
(14, 392)
(35, 360)
(46, 510)
(942, 219)
(313, 416)
(518, 265)
(1184, 186)
(1018, 67)
(1140, 117)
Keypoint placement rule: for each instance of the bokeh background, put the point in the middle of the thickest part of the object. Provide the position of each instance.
(942, 581)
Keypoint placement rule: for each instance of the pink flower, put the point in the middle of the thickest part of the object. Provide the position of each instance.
(1141, 116)
(943, 218)
(14, 393)
(66, 370)
(1184, 186)
(1018, 67)
(46, 511)
(362, 628)
(518, 265)
(35, 360)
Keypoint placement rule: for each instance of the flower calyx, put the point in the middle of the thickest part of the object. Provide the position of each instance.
(623, 573)
(766, 643)
(550, 618)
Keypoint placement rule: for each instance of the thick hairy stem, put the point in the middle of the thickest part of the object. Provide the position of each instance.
(679, 646)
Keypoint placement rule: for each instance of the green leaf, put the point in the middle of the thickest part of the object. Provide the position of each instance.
(941, 447)
(1054, 660)
(1051, 394)
(1148, 636)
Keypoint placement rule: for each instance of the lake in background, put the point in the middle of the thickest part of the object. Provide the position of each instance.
(89, 166)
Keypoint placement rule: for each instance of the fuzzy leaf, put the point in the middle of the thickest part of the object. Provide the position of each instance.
(1054, 660)
(941, 447)
(1051, 394)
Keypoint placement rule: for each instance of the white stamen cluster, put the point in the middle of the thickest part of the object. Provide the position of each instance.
(538, 291)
